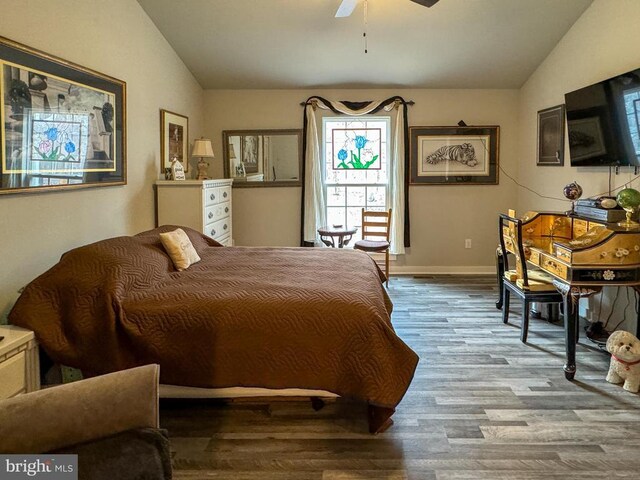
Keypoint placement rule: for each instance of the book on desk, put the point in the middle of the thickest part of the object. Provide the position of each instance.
(592, 209)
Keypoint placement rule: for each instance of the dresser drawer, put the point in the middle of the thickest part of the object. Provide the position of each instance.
(534, 257)
(12, 376)
(563, 254)
(218, 229)
(217, 212)
(224, 240)
(553, 266)
(215, 195)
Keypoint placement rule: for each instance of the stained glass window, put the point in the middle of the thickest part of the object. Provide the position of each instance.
(356, 148)
(356, 173)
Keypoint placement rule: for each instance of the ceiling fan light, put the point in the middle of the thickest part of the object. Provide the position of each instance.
(426, 3)
(346, 8)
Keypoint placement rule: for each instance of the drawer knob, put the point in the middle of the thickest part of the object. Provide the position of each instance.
(225, 226)
(212, 196)
(226, 209)
(224, 194)
(210, 214)
(213, 232)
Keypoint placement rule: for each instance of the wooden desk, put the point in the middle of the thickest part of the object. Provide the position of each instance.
(583, 256)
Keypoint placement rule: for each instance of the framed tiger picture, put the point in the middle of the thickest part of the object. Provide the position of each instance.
(460, 155)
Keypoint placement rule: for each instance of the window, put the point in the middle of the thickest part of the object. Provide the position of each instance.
(632, 107)
(356, 173)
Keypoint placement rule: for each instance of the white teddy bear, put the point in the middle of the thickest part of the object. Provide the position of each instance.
(624, 348)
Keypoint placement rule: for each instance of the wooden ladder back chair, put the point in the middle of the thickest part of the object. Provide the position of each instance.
(376, 229)
(528, 284)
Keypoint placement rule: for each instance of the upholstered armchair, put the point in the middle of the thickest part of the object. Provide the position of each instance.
(110, 422)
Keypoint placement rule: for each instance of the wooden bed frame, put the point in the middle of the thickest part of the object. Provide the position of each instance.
(379, 418)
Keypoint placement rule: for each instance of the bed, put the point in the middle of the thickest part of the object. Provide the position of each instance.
(271, 318)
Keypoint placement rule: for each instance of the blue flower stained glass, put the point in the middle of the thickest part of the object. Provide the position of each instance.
(357, 149)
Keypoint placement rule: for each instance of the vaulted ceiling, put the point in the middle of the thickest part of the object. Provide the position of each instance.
(239, 44)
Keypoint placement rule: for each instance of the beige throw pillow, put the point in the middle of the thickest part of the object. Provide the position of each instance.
(179, 248)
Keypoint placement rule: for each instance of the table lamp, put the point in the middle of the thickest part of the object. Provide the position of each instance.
(202, 148)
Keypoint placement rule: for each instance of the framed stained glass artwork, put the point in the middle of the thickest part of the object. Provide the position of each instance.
(63, 125)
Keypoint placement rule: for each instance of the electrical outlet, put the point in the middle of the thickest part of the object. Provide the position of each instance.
(467, 243)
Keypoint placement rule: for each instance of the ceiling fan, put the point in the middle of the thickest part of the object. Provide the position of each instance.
(347, 6)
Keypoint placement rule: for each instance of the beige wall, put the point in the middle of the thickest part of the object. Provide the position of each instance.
(36, 229)
(441, 217)
(602, 43)
(117, 38)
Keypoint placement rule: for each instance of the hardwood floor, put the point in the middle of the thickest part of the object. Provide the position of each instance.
(482, 406)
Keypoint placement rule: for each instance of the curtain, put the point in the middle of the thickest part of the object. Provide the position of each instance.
(314, 211)
(313, 198)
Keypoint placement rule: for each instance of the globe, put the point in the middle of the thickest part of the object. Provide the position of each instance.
(629, 198)
(572, 191)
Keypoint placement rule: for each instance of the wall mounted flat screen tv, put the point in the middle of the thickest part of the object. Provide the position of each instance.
(603, 122)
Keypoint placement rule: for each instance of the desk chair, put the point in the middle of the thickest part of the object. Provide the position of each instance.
(530, 285)
(378, 226)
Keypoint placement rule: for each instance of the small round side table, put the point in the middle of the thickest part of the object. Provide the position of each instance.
(336, 236)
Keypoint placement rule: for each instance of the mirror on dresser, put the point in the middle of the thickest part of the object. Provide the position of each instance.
(263, 158)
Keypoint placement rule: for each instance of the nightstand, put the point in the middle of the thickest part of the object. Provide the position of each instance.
(19, 361)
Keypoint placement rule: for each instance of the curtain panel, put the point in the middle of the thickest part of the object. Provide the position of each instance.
(313, 194)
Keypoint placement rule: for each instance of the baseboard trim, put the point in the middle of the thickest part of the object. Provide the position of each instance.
(442, 270)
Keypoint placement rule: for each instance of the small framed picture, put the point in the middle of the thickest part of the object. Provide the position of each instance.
(465, 155)
(251, 153)
(174, 140)
(587, 139)
(551, 137)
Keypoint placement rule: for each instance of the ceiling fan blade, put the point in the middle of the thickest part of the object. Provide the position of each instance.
(426, 3)
(346, 8)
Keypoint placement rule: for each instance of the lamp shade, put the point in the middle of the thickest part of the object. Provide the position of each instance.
(232, 152)
(202, 148)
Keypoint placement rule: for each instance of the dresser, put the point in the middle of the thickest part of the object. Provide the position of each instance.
(19, 362)
(204, 205)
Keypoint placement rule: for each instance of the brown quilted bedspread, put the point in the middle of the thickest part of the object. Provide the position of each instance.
(314, 318)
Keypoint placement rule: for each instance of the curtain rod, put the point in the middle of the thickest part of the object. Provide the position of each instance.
(411, 103)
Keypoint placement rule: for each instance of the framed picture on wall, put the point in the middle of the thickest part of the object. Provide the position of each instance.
(465, 155)
(551, 137)
(62, 125)
(250, 154)
(174, 139)
(587, 139)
